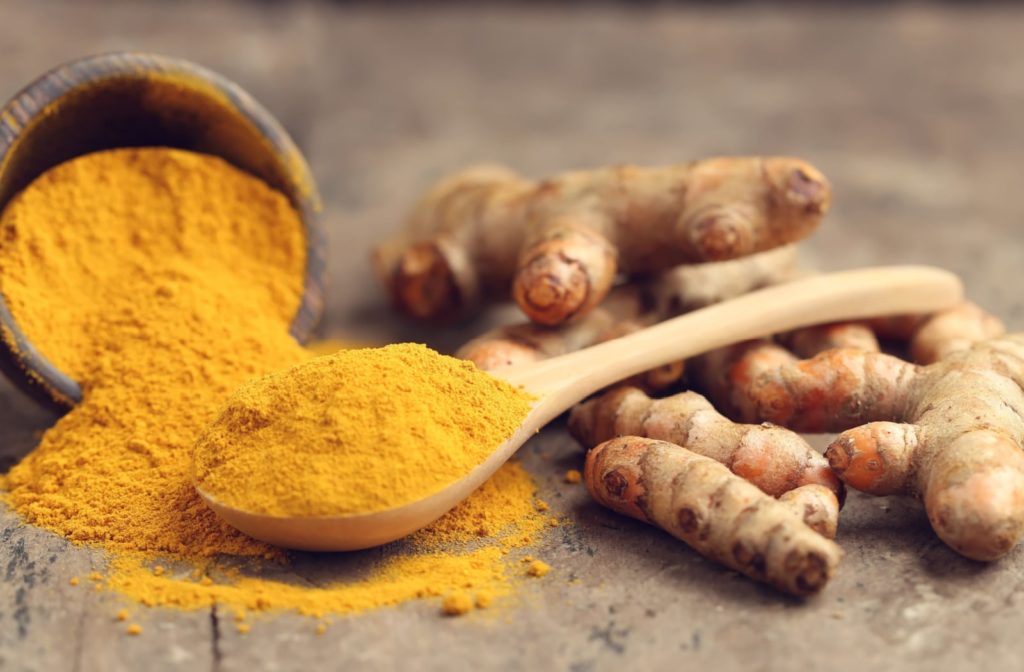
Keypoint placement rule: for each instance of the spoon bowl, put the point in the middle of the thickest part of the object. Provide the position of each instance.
(561, 382)
(144, 100)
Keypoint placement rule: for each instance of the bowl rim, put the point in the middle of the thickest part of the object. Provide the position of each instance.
(20, 360)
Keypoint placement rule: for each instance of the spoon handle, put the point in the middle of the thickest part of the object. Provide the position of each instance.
(846, 295)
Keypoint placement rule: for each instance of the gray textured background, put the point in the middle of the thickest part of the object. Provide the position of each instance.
(914, 112)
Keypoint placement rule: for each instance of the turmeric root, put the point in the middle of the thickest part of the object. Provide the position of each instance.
(693, 286)
(772, 458)
(459, 244)
(951, 432)
(526, 342)
(624, 311)
(935, 336)
(717, 513)
(816, 505)
(726, 374)
(633, 307)
(810, 341)
(559, 244)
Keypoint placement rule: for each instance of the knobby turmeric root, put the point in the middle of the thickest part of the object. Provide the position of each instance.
(693, 286)
(632, 307)
(810, 341)
(934, 336)
(816, 505)
(774, 459)
(719, 514)
(951, 432)
(726, 375)
(526, 342)
(625, 311)
(559, 244)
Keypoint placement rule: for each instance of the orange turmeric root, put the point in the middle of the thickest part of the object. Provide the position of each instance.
(624, 312)
(632, 307)
(717, 513)
(951, 432)
(774, 459)
(526, 342)
(933, 337)
(725, 375)
(810, 341)
(559, 244)
(816, 505)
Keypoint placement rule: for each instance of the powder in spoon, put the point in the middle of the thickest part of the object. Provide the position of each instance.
(357, 431)
(161, 280)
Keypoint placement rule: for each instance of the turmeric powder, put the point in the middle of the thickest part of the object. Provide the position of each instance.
(538, 568)
(448, 556)
(355, 432)
(329, 346)
(161, 280)
(457, 604)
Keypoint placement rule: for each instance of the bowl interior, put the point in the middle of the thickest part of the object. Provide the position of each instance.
(142, 100)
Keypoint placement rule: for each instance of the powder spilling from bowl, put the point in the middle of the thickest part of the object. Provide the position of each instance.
(161, 280)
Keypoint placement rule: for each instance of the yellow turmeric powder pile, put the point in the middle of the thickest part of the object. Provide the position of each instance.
(161, 280)
(329, 346)
(463, 551)
(355, 432)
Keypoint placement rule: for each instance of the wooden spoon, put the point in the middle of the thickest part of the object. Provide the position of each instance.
(564, 381)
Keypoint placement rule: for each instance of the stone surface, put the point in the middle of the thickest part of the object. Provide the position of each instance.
(914, 113)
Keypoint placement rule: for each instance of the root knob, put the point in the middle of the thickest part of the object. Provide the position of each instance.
(717, 236)
(807, 191)
(551, 289)
(424, 285)
(813, 574)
